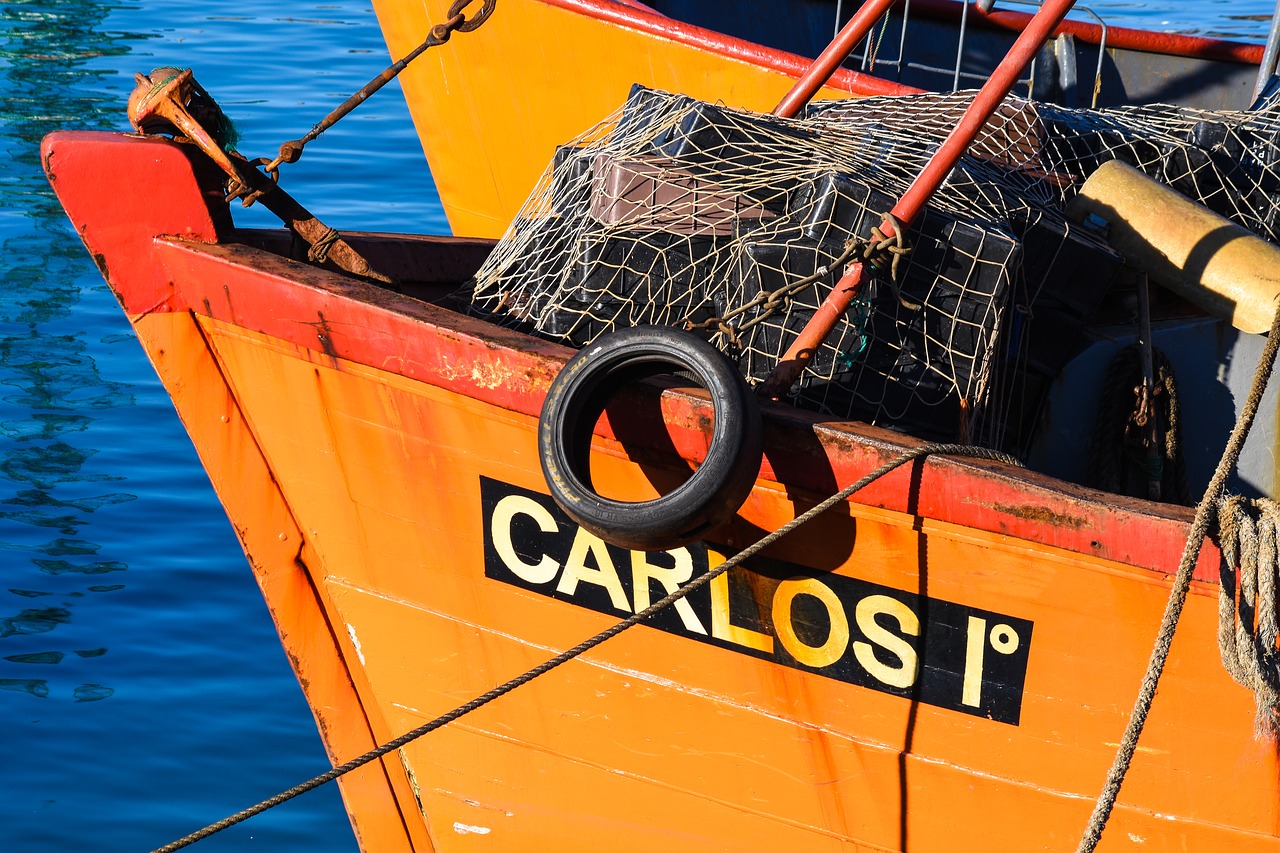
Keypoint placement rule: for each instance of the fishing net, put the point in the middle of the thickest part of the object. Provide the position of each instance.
(737, 225)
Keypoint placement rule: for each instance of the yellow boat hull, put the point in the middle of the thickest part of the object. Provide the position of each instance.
(491, 105)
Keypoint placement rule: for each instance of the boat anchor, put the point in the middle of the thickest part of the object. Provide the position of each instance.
(163, 101)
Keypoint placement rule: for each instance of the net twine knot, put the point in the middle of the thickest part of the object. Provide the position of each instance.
(884, 252)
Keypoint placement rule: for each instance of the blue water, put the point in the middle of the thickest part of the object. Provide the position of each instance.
(1246, 20)
(143, 692)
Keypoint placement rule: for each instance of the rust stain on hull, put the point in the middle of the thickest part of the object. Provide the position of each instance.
(1036, 513)
(324, 335)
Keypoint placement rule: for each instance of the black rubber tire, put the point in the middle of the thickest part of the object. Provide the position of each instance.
(579, 394)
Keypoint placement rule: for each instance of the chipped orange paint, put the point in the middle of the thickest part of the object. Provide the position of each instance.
(354, 468)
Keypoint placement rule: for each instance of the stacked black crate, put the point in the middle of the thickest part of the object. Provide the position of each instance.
(1067, 270)
(1232, 169)
(622, 279)
(906, 352)
(661, 213)
(527, 285)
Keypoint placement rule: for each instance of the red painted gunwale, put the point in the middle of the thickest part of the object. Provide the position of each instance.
(348, 320)
(202, 269)
(653, 23)
(647, 20)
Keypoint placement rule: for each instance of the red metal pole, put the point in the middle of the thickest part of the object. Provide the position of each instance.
(989, 97)
(829, 60)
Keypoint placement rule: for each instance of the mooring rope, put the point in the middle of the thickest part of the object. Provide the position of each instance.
(1204, 516)
(1248, 532)
(587, 645)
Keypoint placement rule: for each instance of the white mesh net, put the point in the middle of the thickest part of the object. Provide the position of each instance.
(679, 212)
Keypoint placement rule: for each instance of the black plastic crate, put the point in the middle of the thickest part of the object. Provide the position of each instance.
(569, 169)
(649, 277)
(1066, 261)
(578, 322)
(706, 133)
(896, 361)
(835, 207)
(717, 145)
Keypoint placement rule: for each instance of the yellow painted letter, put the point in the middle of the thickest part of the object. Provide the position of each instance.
(642, 570)
(832, 649)
(606, 575)
(721, 627)
(545, 569)
(974, 651)
(903, 675)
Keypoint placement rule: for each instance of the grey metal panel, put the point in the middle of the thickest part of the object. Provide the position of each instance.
(1214, 366)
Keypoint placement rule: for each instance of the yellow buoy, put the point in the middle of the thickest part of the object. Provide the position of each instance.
(1222, 267)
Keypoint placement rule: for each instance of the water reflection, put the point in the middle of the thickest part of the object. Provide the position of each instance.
(37, 507)
(34, 621)
(91, 692)
(31, 686)
(38, 657)
(49, 384)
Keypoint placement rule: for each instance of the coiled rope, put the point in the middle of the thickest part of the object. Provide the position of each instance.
(1118, 464)
(1248, 532)
(1205, 515)
(587, 645)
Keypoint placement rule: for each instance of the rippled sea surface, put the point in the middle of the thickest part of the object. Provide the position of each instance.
(143, 692)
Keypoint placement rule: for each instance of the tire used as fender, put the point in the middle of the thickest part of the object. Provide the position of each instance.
(578, 396)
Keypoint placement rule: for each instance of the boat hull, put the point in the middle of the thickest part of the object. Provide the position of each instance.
(945, 662)
(490, 106)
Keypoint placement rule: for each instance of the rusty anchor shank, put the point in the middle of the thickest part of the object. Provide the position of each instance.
(162, 96)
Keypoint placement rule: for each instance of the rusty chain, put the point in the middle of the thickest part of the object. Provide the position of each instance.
(882, 253)
(291, 151)
(770, 302)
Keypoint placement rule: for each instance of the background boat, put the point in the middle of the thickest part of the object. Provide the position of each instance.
(70, 792)
(489, 133)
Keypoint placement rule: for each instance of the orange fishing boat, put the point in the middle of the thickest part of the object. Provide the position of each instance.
(553, 68)
(947, 659)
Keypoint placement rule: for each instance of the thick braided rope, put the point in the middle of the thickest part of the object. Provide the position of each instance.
(1248, 535)
(319, 251)
(1205, 515)
(587, 645)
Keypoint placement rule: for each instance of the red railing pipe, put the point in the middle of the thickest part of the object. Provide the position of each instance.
(830, 59)
(989, 97)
